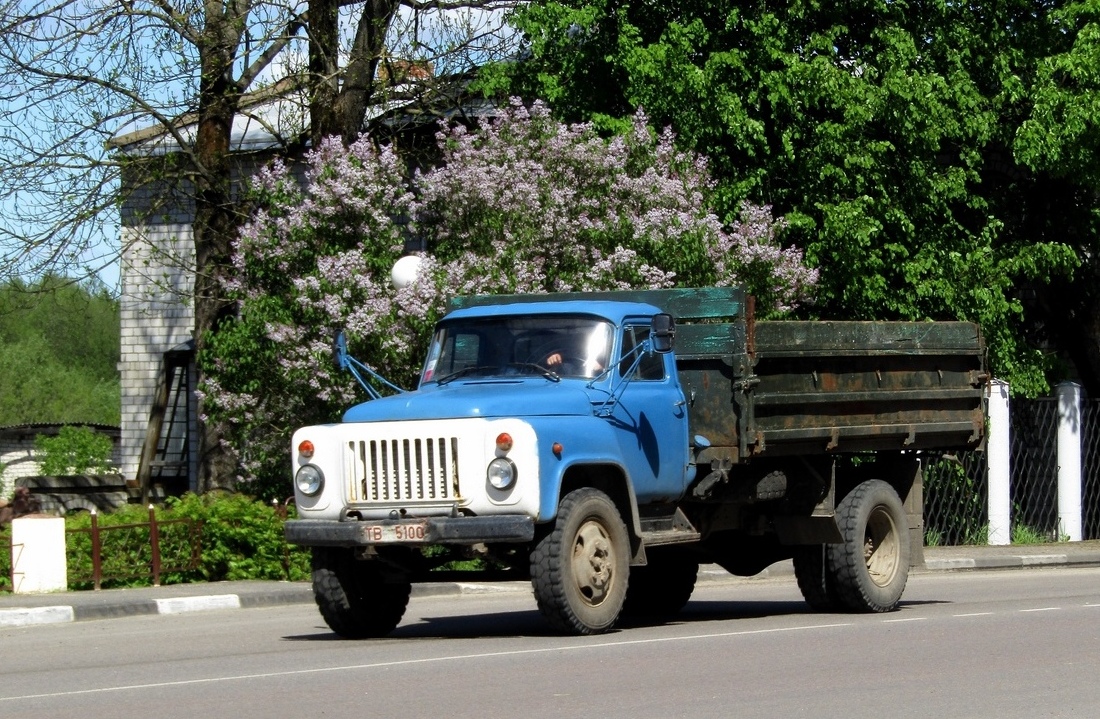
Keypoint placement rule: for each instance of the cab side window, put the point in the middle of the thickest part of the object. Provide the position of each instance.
(651, 366)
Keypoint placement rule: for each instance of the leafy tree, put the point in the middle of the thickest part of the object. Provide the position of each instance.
(885, 133)
(522, 204)
(59, 352)
(1059, 143)
(76, 73)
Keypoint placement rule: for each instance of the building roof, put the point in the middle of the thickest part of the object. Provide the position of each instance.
(20, 431)
(275, 116)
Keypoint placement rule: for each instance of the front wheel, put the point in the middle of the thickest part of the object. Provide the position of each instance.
(579, 571)
(358, 599)
(871, 566)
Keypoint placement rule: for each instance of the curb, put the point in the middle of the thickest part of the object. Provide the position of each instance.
(1013, 561)
(278, 594)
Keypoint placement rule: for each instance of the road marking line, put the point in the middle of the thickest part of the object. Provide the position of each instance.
(1040, 609)
(426, 660)
(974, 614)
(907, 619)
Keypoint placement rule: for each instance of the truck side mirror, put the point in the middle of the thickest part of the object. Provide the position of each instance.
(662, 333)
(340, 350)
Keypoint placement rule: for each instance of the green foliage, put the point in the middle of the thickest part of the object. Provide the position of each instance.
(59, 352)
(74, 450)
(935, 161)
(5, 559)
(241, 538)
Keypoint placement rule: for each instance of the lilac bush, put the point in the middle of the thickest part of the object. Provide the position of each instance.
(522, 204)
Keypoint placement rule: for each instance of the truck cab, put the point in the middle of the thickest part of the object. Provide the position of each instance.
(512, 401)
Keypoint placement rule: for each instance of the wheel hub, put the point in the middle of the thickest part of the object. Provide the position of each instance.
(593, 562)
(881, 547)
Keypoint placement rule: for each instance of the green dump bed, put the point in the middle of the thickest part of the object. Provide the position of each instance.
(791, 387)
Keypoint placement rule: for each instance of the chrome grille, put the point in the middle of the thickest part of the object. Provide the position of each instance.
(404, 470)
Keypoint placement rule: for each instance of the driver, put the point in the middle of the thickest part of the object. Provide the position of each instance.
(591, 367)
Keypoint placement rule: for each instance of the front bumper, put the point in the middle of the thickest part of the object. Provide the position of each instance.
(420, 531)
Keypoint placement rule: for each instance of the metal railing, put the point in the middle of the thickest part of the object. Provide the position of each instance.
(133, 551)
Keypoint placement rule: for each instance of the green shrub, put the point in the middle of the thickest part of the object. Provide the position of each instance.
(75, 450)
(242, 538)
(5, 559)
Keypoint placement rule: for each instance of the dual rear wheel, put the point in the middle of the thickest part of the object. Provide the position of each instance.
(868, 570)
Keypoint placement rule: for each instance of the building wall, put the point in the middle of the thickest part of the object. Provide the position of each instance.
(157, 315)
(17, 460)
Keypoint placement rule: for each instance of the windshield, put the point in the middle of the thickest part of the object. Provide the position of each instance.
(555, 346)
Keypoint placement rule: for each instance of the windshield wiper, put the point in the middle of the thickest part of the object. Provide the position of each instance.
(544, 371)
(463, 372)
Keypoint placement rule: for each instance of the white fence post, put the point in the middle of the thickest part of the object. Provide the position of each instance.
(998, 460)
(1069, 461)
(38, 561)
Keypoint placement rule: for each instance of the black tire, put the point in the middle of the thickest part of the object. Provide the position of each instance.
(814, 579)
(580, 570)
(871, 566)
(661, 588)
(358, 599)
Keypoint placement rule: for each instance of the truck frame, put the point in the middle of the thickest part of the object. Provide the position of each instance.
(683, 432)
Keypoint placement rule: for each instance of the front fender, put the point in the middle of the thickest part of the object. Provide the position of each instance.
(585, 442)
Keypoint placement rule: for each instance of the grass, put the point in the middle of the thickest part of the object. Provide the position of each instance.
(1021, 534)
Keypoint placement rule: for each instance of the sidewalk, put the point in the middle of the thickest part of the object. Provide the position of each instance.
(17, 610)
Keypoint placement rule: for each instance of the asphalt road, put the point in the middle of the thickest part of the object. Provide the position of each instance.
(1023, 643)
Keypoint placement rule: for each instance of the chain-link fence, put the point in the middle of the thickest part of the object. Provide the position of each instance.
(1090, 462)
(956, 486)
(956, 491)
(1033, 466)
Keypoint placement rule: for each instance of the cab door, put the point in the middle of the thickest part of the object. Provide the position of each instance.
(650, 418)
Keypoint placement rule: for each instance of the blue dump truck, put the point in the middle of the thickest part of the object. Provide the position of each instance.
(603, 445)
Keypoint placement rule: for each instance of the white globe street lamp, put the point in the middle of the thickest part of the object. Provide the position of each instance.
(404, 271)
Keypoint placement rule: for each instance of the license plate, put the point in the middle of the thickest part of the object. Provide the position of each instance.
(394, 533)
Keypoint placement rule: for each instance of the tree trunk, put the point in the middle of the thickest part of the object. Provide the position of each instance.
(359, 75)
(215, 220)
(324, 68)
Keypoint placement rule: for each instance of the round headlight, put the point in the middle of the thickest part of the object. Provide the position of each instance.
(501, 473)
(310, 479)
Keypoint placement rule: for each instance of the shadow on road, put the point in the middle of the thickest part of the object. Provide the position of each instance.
(531, 624)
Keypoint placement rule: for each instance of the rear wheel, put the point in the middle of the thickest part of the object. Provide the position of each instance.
(579, 571)
(871, 566)
(814, 579)
(358, 599)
